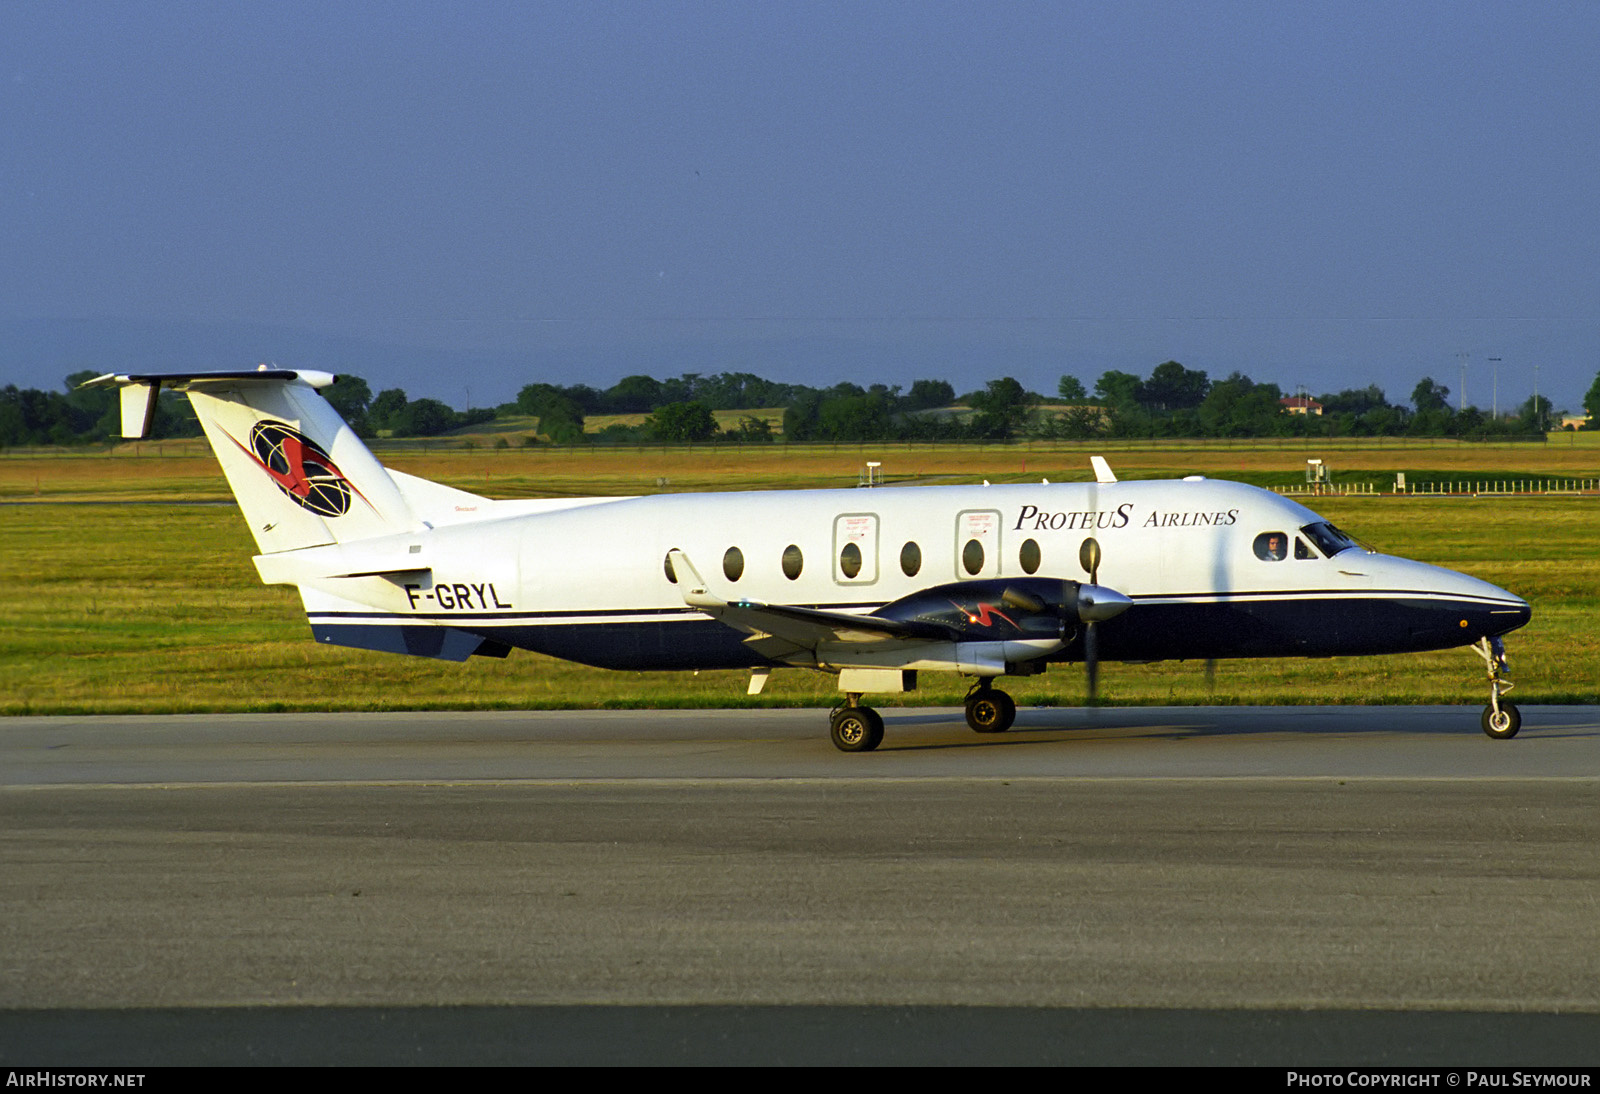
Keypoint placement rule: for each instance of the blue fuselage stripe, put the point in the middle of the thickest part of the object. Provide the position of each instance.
(1158, 628)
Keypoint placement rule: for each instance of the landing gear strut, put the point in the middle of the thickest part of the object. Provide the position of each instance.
(1501, 719)
(856, 728)
(989, 710)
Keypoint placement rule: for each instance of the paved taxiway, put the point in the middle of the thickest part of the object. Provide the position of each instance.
(1251, 861)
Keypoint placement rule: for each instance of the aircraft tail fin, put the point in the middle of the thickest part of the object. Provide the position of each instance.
(301, 475)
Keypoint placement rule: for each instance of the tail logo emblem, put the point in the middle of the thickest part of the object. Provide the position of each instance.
(300, 468)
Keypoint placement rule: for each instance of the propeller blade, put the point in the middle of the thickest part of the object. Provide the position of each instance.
(1095, 603)
(1091, 662)
(1089, 559)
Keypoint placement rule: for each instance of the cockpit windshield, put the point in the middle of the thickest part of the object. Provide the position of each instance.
(1329, 539)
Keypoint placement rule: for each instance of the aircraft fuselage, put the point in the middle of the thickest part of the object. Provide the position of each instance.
(1215, 569)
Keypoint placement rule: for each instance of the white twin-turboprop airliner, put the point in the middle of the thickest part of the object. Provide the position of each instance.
(874, 586)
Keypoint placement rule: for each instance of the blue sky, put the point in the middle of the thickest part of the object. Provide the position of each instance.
(483, 195)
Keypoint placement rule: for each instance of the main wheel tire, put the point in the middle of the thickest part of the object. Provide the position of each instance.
(856, 729)
(991, 711)
(1502, 726)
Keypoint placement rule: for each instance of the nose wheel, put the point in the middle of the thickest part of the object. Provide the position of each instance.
(1502, 724)
(1501, 719)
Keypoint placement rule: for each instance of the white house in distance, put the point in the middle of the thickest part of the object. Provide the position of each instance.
(1301, 404)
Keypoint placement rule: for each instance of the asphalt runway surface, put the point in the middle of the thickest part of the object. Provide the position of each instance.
(1288, 886)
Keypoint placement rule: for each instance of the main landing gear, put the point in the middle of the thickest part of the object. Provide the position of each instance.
(989, 710)
(1501, 719)
(856, 728)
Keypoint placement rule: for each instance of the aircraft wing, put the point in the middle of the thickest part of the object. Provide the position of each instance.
(780, 630)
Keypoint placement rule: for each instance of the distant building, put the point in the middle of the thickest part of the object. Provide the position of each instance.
(1301, 404)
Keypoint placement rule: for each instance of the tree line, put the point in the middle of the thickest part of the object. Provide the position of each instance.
(1172, 401)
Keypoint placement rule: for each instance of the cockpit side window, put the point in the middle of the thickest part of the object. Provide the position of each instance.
(1301, 550)
(1272, 546)
(1329, 540)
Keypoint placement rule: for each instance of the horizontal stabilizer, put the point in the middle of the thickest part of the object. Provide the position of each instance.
(139, 390)
(199, 381)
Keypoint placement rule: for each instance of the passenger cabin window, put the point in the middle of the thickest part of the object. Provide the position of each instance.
(733, 564)
(850, 560)
(1272, 546)
(855, 548)
(792, 562)
(910, 559)
(978, 548)
(1028, 556)
(666, 565)
(972, 557)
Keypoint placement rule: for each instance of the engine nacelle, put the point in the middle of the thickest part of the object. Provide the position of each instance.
(1027, 608)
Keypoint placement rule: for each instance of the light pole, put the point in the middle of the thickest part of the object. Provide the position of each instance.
(1495, 361)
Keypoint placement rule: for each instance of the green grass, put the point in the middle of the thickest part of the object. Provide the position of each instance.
(156, 608)
(185, 469)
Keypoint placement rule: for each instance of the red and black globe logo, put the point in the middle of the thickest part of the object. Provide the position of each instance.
(300, 468)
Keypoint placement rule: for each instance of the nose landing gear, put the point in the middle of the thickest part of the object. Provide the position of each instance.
(1501, 719)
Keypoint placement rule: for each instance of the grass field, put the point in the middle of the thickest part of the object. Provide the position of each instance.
(161, 470)
(128, 607)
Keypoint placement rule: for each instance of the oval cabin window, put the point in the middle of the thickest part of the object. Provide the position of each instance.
(792, 562)
(1029, 556)
(972, 556)
(850, 560)
(910, 559)
(733, 564)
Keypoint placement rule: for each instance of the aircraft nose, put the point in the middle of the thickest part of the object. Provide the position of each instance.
(1434, 608)
(1482, 610)
(1509, 618)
